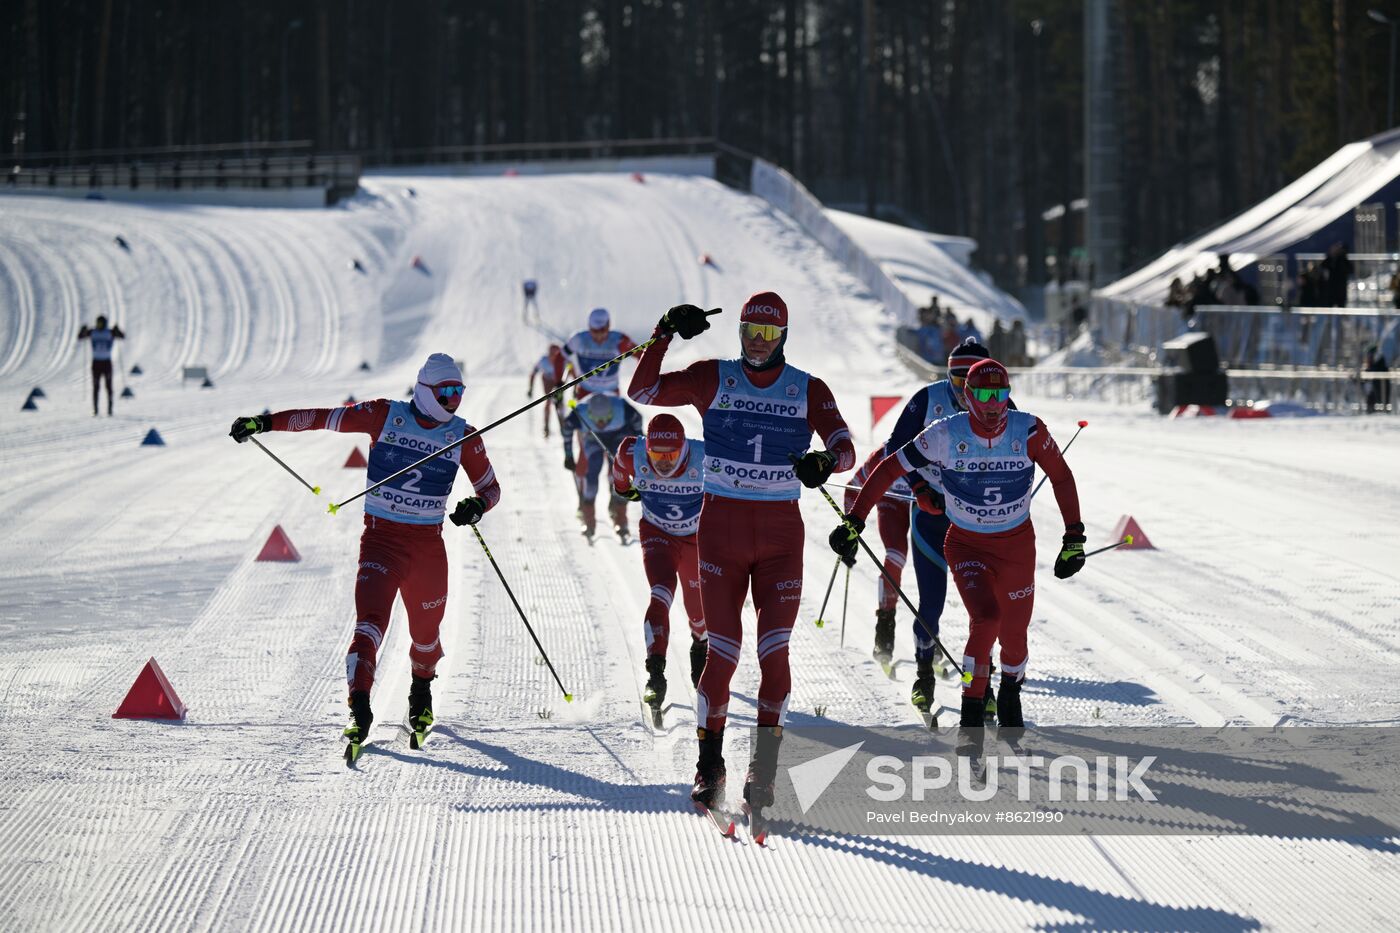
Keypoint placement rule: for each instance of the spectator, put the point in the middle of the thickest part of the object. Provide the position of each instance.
(1377, 390)
(928, 336)
(950, 334)
(997, 342)
(1309, 287)
(1016, 345)
(1395, 289)
(1336, 270)
(969, 329)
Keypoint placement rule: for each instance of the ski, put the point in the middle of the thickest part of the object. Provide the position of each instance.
(419, 731)
(756, 823)
(888, 668)
(654, 715)
(725, 829)
(354, 745)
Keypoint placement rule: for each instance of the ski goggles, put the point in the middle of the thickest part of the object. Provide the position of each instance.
(991, 395)
(957, 381)
(664, 458)
(752, 331)
(447, 390)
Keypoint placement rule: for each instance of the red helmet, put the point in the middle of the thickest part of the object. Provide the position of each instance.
(987, 393)
(665, 441)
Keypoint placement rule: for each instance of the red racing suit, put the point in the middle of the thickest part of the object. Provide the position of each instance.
(994, 569)
(746, 542)
(665, 557)
(396, 557)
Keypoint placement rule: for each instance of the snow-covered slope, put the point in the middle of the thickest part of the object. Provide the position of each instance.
(928, 264)
(1272, 598)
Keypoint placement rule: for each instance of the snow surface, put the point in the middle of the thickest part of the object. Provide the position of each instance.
(1273, 598)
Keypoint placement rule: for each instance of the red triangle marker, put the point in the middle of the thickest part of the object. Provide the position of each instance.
(1127, 525)
(278, 547)
(151, 697)
(880, 405)
(356, 459)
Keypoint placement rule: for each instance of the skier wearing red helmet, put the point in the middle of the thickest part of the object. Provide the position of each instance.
(984, 460)
(664, 471)
(760, 413)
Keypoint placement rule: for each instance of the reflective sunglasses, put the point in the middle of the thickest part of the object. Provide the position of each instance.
(987, 395)
(957, 381)
(447, 391)
(750, 331)
(664, 457)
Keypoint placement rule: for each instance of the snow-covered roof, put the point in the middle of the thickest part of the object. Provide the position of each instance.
(1304, 215)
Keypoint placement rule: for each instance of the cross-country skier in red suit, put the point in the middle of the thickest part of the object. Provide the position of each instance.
(759, 412)
(984, 460)
(550, 369)
(665, 472)
(401, 550)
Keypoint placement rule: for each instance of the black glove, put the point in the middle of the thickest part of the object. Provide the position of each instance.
(1071, 557)
(468, 511)
(686, 320)
(245, 427)
(843, 542)
(631, 494)
(569, 462)
(814, 467)
(929, 499)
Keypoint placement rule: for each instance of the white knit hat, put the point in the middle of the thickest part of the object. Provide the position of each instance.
(438, 369)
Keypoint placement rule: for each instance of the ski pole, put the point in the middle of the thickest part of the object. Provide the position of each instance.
(1127, 539)
(889, 579)
(1082, 426)
(337, 506)
(568, 697)
(845, 598)
(316, 490)
(821, 623)
(888, 495)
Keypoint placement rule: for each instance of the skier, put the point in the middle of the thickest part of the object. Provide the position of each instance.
(550, 369)
(984, 459)
(930, 524)
(401, 550)
(601, 421)
(592, 348)
(759, 414)
(665, 472)
(529, 287)
(103, 340)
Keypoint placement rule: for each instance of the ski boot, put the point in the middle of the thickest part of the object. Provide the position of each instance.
(1009, 703)
(420, 710)
(971, 731)
(587, 514)
(617, 511)
(655, 693)
(921, 694)
(884, 637)
(699, 649)
(758, 784)
(709, 769)
(361, 717)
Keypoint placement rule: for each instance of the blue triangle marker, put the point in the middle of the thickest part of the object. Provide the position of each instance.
(206, 384)
(37, 392)
(136, 370)
(29, 405)
(153, 439)
(127, 393)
